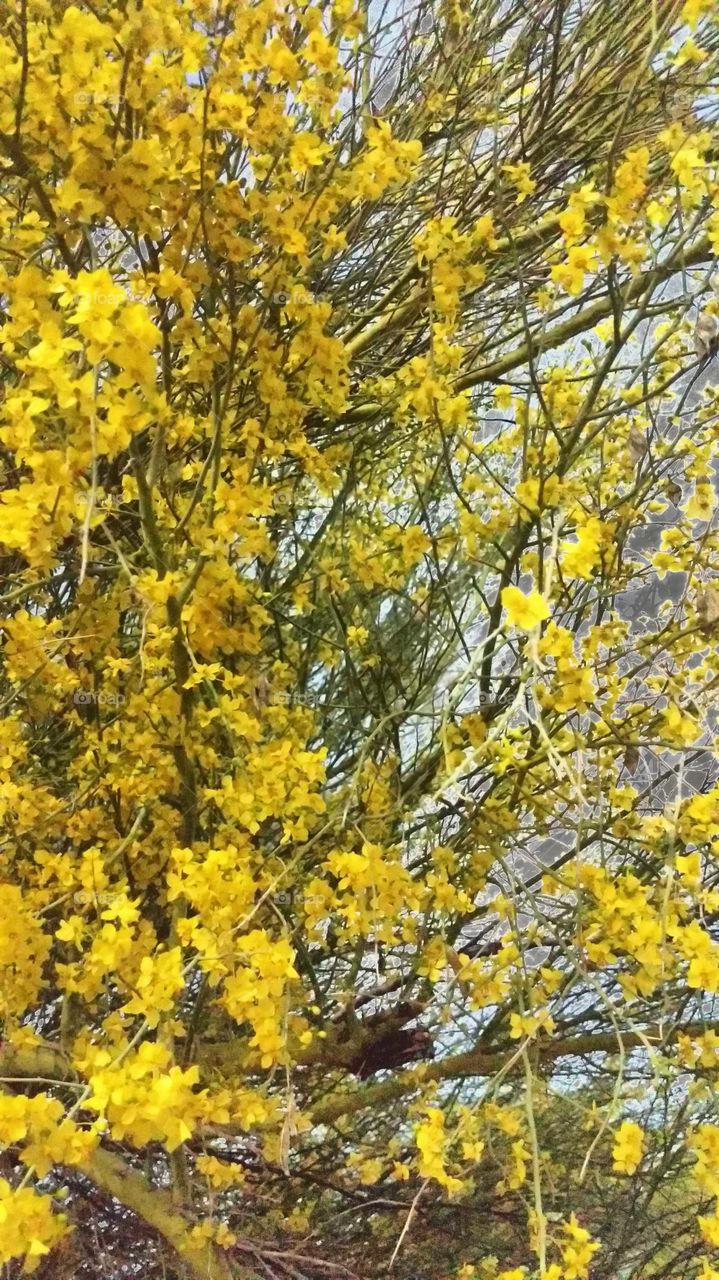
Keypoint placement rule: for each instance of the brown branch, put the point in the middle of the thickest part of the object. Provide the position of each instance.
(111, 1173)
(479, 1062)
(23, 169)
(43, 1061)
(578, 323)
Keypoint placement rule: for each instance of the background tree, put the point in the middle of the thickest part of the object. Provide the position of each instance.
(359, 809)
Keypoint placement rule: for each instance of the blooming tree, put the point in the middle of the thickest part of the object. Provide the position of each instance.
(359, 814)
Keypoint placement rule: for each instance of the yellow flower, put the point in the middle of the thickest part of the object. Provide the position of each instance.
(709, 1228)
(628, 1147)
(678, 727)
(693, 10)
(570, 274)
(689, 867)
(580, 559)
(708, 1272)
(28, 1227)
(577, 1250)
(432, 1141)
(519, 176)
(307, 151)
(357, 636)
(524, 611)
(702, 502)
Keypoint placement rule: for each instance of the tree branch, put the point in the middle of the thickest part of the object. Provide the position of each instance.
(204, 1261)
(478, 1062)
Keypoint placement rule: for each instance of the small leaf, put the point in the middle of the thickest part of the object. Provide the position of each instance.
(705, 335)
(289, 1131)
(708, 606)
(636, 444)
(260, 692)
